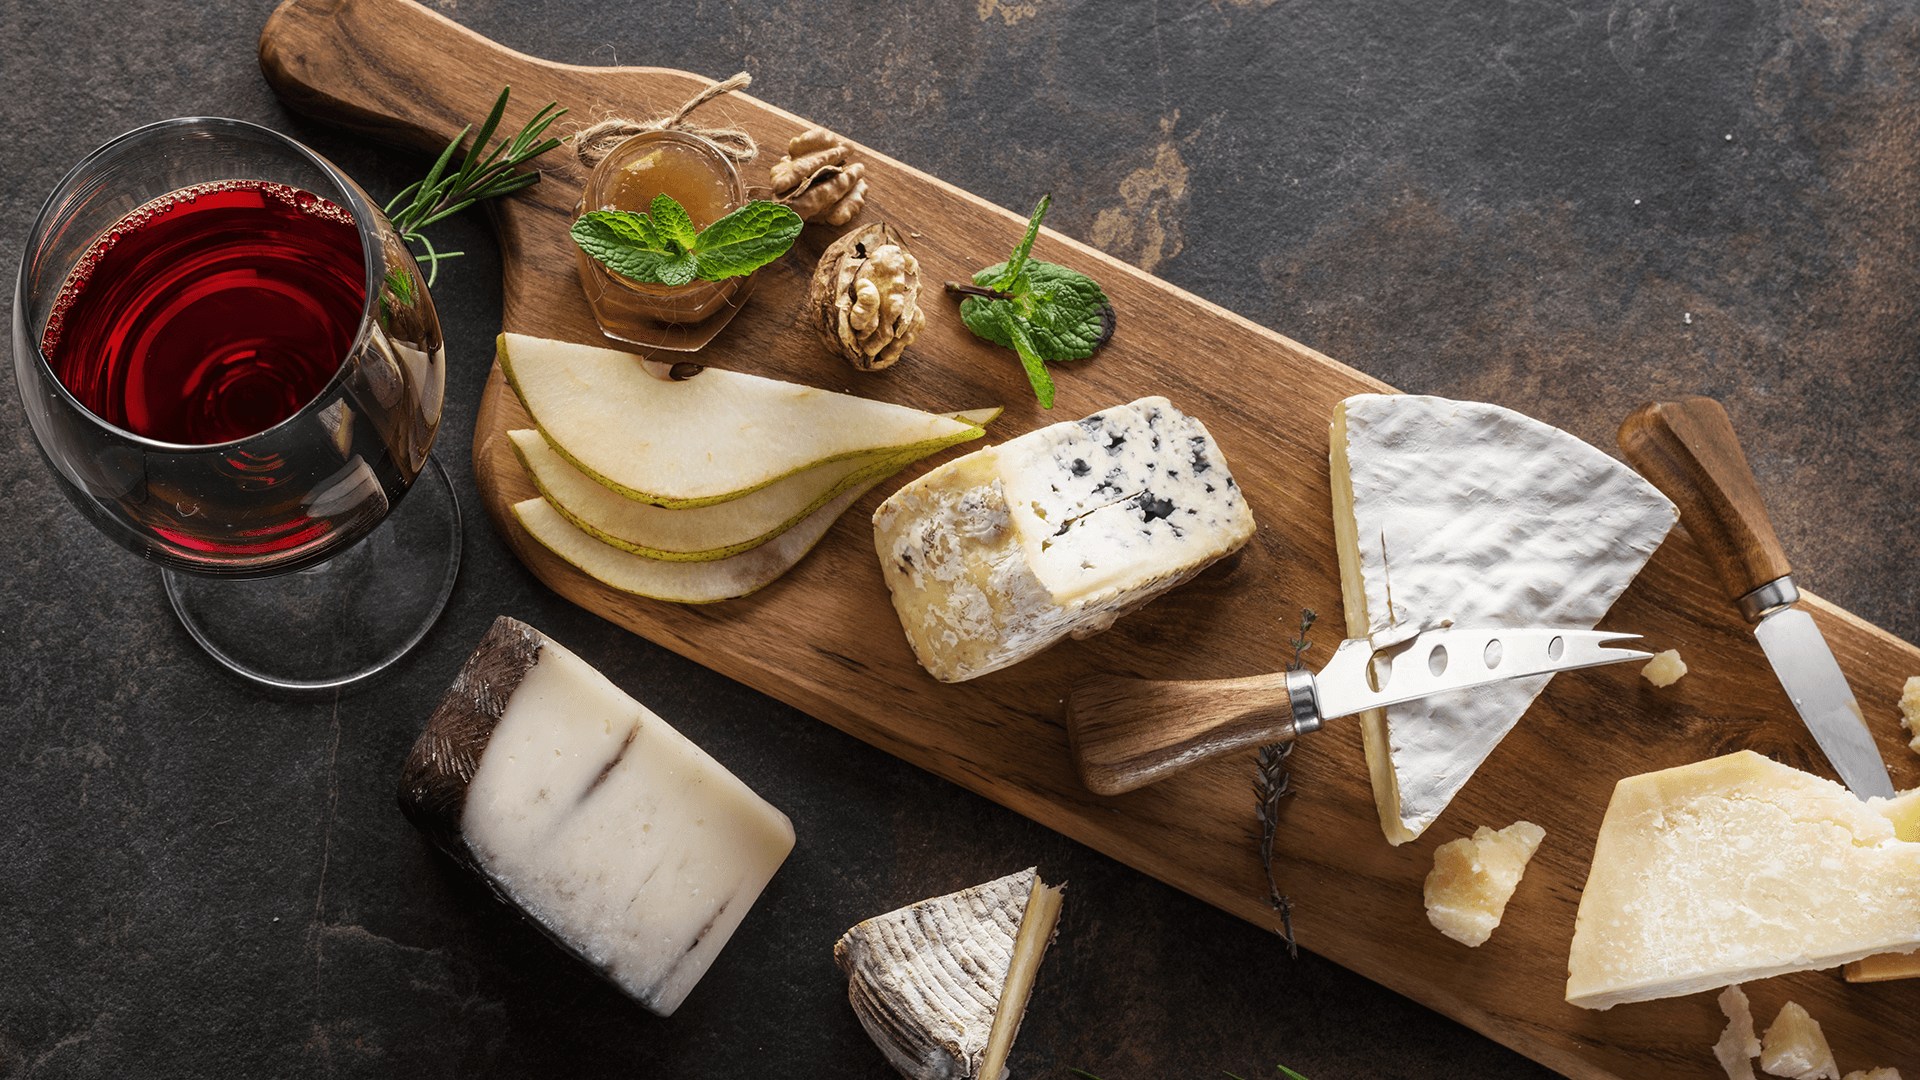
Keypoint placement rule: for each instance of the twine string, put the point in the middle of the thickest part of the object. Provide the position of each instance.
(596, 141)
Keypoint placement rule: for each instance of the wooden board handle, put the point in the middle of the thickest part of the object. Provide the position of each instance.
(1688, 450)
(1126, 733)
(362, 64)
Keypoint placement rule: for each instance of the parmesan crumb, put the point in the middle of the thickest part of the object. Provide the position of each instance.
(1795, 1047)
(1665, 668)
(1910, 710)
(1472, 879)
(1738, 1045)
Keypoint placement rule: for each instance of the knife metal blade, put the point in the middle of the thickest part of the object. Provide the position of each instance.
(1688, 450)
(1129, 732)
(1813, 679)
(1359, 678)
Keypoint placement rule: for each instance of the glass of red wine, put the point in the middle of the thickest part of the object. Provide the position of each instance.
(230, 361)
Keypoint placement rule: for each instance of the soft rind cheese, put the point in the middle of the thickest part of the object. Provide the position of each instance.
(1473, 877)
(999, 554)
(631, 847)
(1734, 869)
(1463, 513)
(941, 985)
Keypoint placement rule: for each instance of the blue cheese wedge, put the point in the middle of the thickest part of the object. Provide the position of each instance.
(997, 555)
(632, 848)
(1468, 514)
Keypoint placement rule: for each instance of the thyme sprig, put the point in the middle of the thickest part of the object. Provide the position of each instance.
(1272, 784)
(480, 176)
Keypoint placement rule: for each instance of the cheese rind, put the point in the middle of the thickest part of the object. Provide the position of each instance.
(941, 985)
(999, 554)
(1734, 869)
(1465, 513)
(1473, 877)
(630, 846)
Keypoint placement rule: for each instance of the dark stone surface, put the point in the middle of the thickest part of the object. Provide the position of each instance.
(1563, 208)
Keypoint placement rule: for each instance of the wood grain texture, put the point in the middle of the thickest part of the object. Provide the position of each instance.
(825, 640)
(1688, 449)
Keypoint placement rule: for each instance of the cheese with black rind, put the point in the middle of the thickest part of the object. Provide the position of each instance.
(625, 843)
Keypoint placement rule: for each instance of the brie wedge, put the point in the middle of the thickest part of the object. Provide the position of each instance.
(1468, 514)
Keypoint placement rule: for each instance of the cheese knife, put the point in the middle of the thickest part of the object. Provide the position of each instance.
(1688, 450)
(1126, 733)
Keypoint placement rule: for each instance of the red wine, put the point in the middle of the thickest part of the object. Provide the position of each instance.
(211, 313)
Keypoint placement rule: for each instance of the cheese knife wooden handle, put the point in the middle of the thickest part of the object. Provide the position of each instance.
(1129, 732)
(1688, 450)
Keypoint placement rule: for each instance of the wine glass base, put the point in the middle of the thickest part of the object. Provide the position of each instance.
(345, 622)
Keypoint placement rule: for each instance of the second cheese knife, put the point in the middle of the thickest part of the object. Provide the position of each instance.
(1688, 450)
(1130, 732)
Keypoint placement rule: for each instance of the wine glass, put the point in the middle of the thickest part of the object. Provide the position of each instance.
(230, 362)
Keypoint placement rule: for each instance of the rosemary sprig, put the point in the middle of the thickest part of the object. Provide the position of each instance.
(1272, 785)
(479, 177)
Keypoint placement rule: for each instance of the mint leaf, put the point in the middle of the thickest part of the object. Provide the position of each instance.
(663, 248)
(1040, 310)
(745, 240)
(671, 221)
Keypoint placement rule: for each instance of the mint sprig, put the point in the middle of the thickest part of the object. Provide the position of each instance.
(1042, 311)
(662, 247)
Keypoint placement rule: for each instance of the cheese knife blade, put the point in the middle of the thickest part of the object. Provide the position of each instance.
(1126, 733)
(1688, 450)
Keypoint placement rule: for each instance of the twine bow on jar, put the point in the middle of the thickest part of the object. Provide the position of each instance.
(596, 141)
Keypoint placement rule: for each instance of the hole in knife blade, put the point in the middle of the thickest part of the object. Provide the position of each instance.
(1437, 661)
(1556, 648)
(1379, 671)
(1491, 657)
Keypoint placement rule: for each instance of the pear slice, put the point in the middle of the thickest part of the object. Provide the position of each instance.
(701, 533)
(684, 582)
(708, 439)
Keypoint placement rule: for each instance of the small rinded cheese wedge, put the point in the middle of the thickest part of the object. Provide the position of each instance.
(1734, 869)
(1473, 878)
(1467, 514)
(1795, 1047)
(625, 842)
(1738, 1045)
(941, 985)
(997, 555)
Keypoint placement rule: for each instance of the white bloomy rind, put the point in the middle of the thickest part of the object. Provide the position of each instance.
(1735, 869)
(1467, 514)
(714, 437)
(627, 842)
(997, 555)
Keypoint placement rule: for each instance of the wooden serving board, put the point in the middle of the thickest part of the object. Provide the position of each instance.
(825, 639)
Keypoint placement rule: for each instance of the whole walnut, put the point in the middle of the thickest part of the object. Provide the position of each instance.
(866, 296)
(816, 179)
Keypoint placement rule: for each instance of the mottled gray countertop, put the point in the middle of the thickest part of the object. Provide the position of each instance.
(1562, 208)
